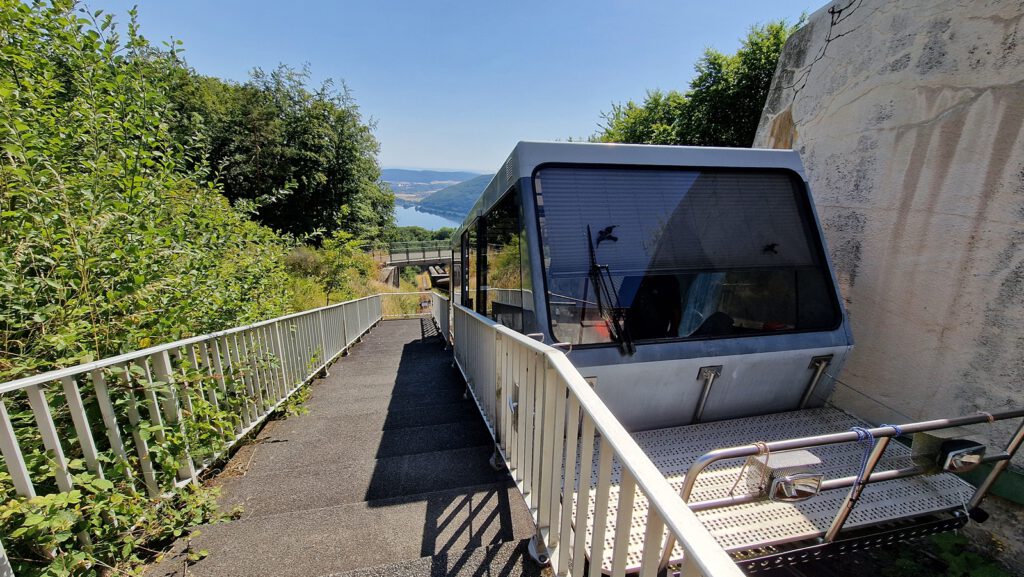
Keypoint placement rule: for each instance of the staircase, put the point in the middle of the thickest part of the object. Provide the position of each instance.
(387, 474)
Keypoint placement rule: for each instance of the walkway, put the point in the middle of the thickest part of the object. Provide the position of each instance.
(387, 474)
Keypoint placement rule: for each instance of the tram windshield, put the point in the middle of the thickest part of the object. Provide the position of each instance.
(641, 254)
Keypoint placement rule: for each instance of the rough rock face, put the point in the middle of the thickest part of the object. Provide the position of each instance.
(909, 115)
(909, 119)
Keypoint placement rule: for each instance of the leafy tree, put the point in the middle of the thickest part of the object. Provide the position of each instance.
(301, 161)
(652, 122)
(113, 237)
(419, 234)
(722, 106)
(335, 265)
(108, 237)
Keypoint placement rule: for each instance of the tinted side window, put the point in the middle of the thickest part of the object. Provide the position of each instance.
(469, 272)
(455, 277)
(503, 274)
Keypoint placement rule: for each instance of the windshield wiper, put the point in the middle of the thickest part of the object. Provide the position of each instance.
(601, 278)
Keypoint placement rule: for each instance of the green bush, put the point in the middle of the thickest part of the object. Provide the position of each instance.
(110, 237)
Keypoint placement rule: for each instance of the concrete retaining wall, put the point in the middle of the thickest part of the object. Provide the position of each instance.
(909, 115)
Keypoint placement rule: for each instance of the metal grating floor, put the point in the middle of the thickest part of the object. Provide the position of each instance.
(756, 525)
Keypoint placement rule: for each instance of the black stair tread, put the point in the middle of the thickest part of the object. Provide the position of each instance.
(360, 401)
(331, 484)
(347, 537)
(389, 465)
(352, 442)
(329, 424)
(509, 559)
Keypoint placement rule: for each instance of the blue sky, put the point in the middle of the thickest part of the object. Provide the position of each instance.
(454, 85)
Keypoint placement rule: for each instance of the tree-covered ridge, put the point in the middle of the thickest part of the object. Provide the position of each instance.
(457, 199)
(722, 106)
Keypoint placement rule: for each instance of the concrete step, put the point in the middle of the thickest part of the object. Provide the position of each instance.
(386, 420)
(347, 441)
(508, 559)
(343, 538)
(264, 492)
(358, 399)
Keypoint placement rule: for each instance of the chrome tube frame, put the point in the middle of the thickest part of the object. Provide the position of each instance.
(879, 433)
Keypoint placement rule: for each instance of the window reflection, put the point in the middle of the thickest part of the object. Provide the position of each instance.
(683, 254)
(469, 256)
(503, 274)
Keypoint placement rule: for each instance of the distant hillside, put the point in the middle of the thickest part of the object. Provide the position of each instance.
(457, 199)
(403, 175)
(411, 186)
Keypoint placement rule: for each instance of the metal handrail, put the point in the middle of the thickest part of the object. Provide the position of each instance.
(58, 374)
(542, 412)
(258, 366)
(441, 311)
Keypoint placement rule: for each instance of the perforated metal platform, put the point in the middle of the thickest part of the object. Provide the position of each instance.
(764, 523)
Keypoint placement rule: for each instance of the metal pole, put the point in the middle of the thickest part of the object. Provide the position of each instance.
(997, 469)
(708, 374)
(819, 364)
(856, 490)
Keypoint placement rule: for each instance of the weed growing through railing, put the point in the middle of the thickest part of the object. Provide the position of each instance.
(111, 524)
(296, 404)
(98, 528)
(118, 519)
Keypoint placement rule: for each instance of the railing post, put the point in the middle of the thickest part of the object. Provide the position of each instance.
(77, 409)
(51, 440)
(344, 325)
(323, 340)
(99, 384)
(359, 320)
(855, 491)
(141, 446)
(281, 358)
(998, 468)
(172, 411)
(12, 455)
(500, 386)
(5, 564)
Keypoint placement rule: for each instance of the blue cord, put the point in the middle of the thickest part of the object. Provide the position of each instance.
(899, 431)
(867, 440)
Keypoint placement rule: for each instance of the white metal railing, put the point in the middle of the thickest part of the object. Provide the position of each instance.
(548, 422)
(5, 564)
(139, 400)
(441, 313)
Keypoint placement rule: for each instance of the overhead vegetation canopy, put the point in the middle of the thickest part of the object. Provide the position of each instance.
(301, 159)
(722, 106)
(132, 193)
(131, 190)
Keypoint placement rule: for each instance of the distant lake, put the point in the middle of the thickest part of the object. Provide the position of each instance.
(410, 216)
